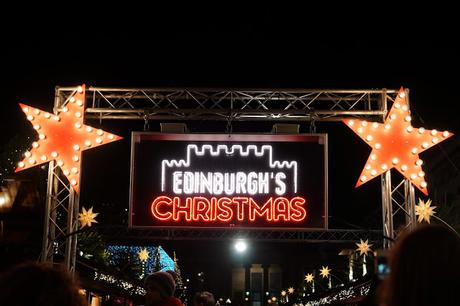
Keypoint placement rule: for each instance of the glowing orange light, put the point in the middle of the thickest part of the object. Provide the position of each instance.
(397, 145)
(61, 136)
(224, 209)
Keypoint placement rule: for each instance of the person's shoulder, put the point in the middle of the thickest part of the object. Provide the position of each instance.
(173, 301)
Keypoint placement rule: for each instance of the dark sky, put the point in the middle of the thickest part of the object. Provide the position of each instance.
(271, 46)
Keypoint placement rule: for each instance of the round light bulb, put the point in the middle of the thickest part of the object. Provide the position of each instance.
(402, 94)
(405, 108)
(75, 170)
(404, 167)
(375, 125)
(30, 117)
(47, 115)
(60, 163)
(373, 172)
(35, 144)
(89, 129)
(364, 123)
(369, 137)
(56, 118)
(425, 144)
(445, 133)
(99, 140)
(36, 127)
(100, 132)
(43, 158)
(421, 174)
(351, 122)
(79, 103)
(421, 130)
(363, 178)
(423, 184)
(378, 146)
(27, 154)
(21, 164)
(408, 118)
(409, 129)
(65, 109)
(419, 162)
(66, 172)
(387, 126)
(373, 156)
(110, 136)
(73, 182)
(392, 116)
(414, 150)
(368, 167)
(433, 132)
(413, 176)
(72, 100)
(31, 160)
(37, 112)
(78, 114)
(435, 140)
(397, 105)
(384, 167)
(395, 161)
(360, 130)
(25, 109)
(76, 147)
(80, 89)
(87, 143)
(54, 154)
(75, 158)
(41, 136)
(77, 125)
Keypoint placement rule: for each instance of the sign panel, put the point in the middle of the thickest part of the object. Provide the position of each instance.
(229, 180)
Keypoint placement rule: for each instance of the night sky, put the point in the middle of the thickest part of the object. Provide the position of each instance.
(266, 47)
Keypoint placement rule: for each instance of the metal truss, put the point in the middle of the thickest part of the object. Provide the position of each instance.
(61, 211)
(225, 104)
(293, 105)
(122, 233)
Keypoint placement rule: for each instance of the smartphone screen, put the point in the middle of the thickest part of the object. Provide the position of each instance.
(382, 267)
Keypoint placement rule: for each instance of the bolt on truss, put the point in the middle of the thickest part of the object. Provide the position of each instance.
(227, 105)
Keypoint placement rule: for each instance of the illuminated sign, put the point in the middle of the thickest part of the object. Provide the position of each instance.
(236, 180)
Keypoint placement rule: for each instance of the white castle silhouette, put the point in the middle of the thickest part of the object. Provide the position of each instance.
(243, 152)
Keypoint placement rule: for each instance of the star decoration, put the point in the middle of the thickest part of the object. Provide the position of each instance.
(143, 255)
(283, 293)
(63, 137)
(324, 272)
(291, 290)
(363, 247)
(309, 277)
(396, 144)
(424, 210)
(86, 217)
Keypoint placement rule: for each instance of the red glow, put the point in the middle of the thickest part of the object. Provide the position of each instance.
(224, 209)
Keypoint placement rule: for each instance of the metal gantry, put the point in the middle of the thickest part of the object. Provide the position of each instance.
(181, 104)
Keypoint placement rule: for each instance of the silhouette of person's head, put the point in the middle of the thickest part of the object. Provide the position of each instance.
(204, 298)
(424, 268)
(38, 284)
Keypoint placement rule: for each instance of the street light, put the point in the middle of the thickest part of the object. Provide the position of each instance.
(241, 246)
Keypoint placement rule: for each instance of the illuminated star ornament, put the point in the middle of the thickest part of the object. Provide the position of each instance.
(291, 290)
(396, 144)
(363, 247)
(424, 210)
(63, 137)
(283, 293)
(143, 255)
(309, 277)
(324, 272)
(86, 217)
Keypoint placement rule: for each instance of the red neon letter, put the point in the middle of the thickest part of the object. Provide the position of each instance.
(298, 212)
(155, 208)
(281, 209)
(225, 213)
(201, 208)
(186, 209)
(241, 202)
(255, 209)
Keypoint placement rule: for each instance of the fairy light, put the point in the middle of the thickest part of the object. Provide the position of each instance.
(433, 132)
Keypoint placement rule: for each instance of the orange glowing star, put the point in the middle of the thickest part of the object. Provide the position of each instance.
(63, 137)
(396, 144)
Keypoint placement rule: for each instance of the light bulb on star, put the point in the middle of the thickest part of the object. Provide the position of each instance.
(424, 210)
(143, 255)
(63, 137)
(396, 144)
(324, 272)
(363, 247)
(87, 217)
(309, 277)
(283, 293)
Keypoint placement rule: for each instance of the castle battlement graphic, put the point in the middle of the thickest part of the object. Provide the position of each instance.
(263, 152)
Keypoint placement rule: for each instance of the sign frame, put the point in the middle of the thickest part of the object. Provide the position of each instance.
(214, 137)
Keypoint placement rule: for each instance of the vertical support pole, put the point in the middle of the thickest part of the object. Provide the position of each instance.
(48, 226)
(72, 227)
(409, 204)
(387, 210)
